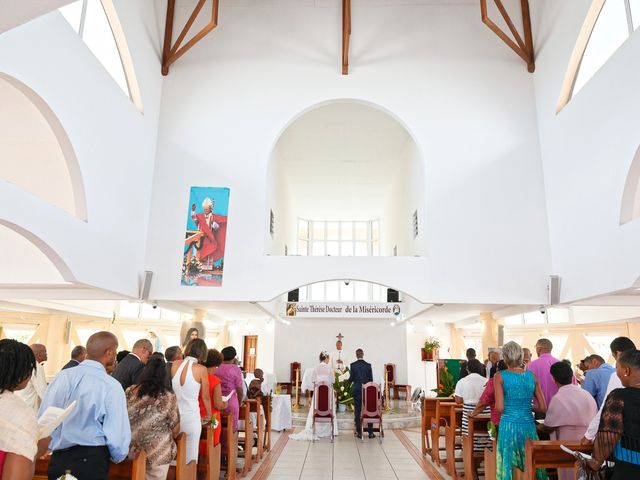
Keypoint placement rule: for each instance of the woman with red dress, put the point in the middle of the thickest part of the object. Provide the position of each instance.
(214, 359)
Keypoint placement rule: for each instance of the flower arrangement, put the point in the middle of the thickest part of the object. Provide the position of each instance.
(431, 344)
(342, 388)
(446, 385)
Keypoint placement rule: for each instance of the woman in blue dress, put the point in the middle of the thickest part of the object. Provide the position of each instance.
(514, 391)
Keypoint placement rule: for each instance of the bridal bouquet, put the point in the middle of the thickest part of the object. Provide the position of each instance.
(342, 387)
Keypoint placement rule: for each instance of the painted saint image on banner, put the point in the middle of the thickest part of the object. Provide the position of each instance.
(203, 256)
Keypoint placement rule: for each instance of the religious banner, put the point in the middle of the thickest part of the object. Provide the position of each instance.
(203, 254)
(343, 310)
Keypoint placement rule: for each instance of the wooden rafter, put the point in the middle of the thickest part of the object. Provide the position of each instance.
(170, 53)
(524, 48)
(346, 34)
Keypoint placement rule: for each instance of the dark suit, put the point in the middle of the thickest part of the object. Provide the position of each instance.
(360, 374)
(128, 371)
(71, 363)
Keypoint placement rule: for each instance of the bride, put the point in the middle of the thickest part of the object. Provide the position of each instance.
(322, 373)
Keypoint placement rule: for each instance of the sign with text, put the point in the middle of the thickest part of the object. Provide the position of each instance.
(345, 310)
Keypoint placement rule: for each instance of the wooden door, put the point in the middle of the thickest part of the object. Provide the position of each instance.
(250, 353)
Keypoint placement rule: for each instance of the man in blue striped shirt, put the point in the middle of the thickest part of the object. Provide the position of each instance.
(597, 377)
(97, 429)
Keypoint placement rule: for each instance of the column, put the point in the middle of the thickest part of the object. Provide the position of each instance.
(489, 333)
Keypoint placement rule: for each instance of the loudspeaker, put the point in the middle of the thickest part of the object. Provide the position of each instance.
(146, 285)
(393, 296)
(553, 290)
(293, 295)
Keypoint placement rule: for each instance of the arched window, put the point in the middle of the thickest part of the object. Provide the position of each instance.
(97, 23)
(609, 23)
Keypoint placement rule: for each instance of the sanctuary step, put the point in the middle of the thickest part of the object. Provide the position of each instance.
(402, 415)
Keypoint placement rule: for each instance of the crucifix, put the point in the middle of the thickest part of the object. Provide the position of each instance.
(339, 361)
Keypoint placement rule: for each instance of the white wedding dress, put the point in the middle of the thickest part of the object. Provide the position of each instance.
(322, 373)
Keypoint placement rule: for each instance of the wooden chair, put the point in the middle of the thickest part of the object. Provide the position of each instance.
(548, 454)
(209, 464)
(428, 412)
(453, 431)
(126, 470)
(266, 405)
(390, 368)
(439, 420)
(323, 400)
(490, 468)
(245, 438)
(371, 411)
(230, 449)
(470, 457)
(254, 407)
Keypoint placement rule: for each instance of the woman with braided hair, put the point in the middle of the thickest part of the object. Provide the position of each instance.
(19, 445)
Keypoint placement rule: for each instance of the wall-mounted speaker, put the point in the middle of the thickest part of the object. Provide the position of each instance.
(393, 296)
(146, 285)
(553, 290)
(293, 295)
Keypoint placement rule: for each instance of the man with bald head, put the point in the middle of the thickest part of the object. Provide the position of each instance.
(97, 429)
(129, 369)
(34, 391)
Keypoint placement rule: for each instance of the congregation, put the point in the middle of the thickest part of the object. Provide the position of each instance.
(125, 403)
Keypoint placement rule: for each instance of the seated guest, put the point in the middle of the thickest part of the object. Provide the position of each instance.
(471, 355)
(34, 391)
(213, 361)
(597, 377)
(98, 427)
(78, 354)
(468, 392)
(569, 413)
(619, 431)
(154, 418)
(19, 445)
(254, 390)
(488, 399)
(171, 354)
(618, 346)
(231, 379)
(128, 370)
(515, 389)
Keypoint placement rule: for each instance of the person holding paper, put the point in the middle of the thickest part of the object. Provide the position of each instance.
(97, 428)
(19, 445)
(218, 403)
(231, 380)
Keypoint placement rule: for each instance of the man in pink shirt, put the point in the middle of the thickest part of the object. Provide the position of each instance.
(541, 368)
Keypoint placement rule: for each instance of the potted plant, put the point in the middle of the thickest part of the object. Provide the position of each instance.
(430, 349)
(446, 384)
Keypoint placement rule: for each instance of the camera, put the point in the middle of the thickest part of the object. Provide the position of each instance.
(543, 309)
(154, 305)
(347, 281)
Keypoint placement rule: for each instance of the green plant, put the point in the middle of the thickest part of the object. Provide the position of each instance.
(446, 384)
(431, 344)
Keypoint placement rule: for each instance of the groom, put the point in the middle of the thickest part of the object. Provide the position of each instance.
(360, 374)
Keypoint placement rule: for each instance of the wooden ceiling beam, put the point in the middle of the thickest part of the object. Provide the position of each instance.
(524, 48)
(171, 53)
(346, 34)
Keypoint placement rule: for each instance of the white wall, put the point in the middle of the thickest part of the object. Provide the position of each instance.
(115, 144)
(587, 150)
(469, 104)
(305, 338)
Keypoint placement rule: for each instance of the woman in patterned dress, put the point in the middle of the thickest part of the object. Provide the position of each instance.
(154, 418)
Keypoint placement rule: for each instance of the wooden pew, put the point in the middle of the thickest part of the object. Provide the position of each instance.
(451, 431)
(179, 472)
(428, 413)
(254, 407)
(209, 464)
(547, 454)
(230, 450)
(439, 419)
(126, 470)
(490, 468)
(471, 458)
(245, 437)
(266, 405)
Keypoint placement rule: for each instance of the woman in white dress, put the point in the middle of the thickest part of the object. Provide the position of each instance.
(187, 378)
(322, 373)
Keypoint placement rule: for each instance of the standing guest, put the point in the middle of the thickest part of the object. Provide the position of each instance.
(78, 354)
(618, 346)
(19, 445)
(492, 363)
(515, 389)
(130, 367)
(231, 379)
(488, 398)
(34, 391)
(361, 374)
(471, 355)
(526, 357)
(213, 361)
(98, 426)
(192, 334)
(154, 418)
(468, 392)
(569, 412)
(171, 354)
(597, 378)
(541, 368)
(582, 366)
(619, 431)
(188, 378)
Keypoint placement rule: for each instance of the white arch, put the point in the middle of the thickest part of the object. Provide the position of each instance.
(630, 208)
(68, 153)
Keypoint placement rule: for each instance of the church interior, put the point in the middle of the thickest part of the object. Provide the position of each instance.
(296, 178)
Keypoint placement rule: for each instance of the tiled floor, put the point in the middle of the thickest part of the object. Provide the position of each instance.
(347, 458)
